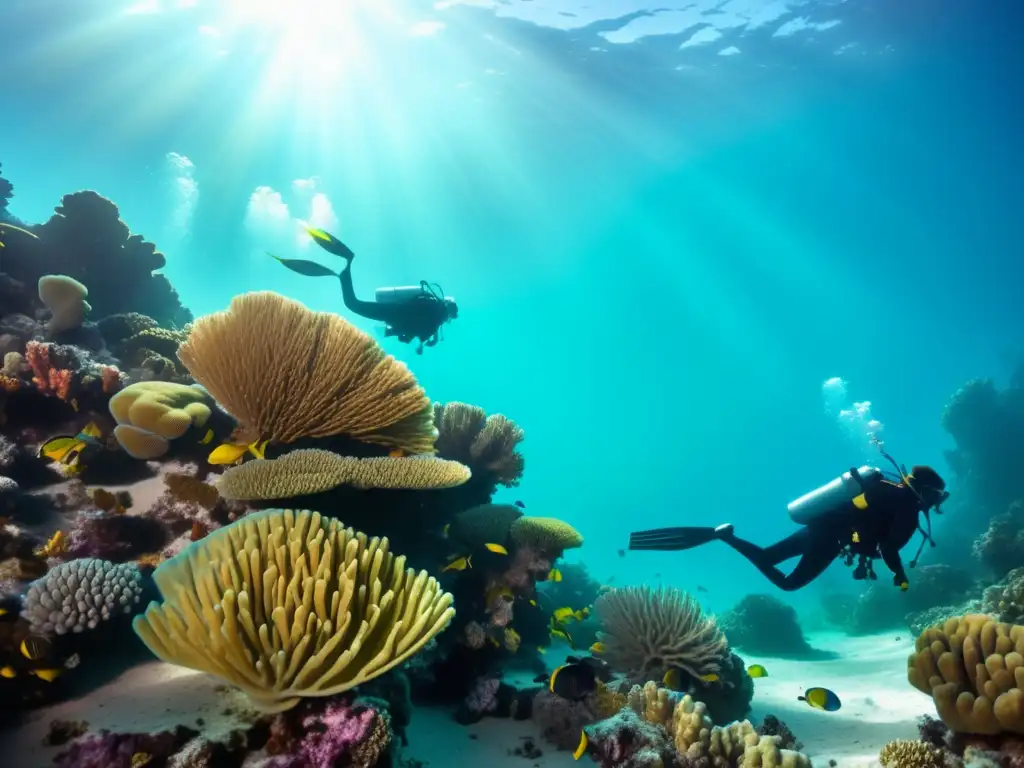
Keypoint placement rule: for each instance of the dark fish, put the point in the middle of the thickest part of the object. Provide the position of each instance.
(622, 553)
(520, 504)
(602, 669)
(701, 589)
(571, 681)
(307, 268)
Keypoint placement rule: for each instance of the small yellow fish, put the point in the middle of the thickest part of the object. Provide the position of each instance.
(444, 531)
(34, 648)
(397, 453)
(541, 649)
(598, 647)
(49, 675)
(3, 611)
(581, 750)
(711, 677)
(8, 672)
(497, 549)
(512, 639)
(494, 642)
(554, 575)
(581, 613)
(207, 438)
(533, 602)
(756, 670)
(673, 679)
(554, 631)
(55, 546)
(233, 453)
(459, 565)
(561, 615)
(140, 759)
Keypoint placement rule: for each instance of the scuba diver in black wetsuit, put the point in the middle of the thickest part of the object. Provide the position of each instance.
(859, 516)
(409, 313)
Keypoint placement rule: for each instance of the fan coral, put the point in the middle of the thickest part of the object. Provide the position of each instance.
(286, 604)
(547, 535)
(647, 631)
(79, 594)
(312, 470)
(486, 444)
(285, 372)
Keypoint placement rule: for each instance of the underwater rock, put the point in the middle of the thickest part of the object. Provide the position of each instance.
(112, 750)
(1001, 547)
(764, 625)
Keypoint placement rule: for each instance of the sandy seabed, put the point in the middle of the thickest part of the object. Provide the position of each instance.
(869, 677)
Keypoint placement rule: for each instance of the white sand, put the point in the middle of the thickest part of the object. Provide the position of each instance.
(870, 678)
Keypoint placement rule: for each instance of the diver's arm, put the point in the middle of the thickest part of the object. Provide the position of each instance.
(902, 511)
(371, 310)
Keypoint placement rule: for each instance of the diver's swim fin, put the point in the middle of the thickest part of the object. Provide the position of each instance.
(307, 268)
(330, 243)
(676, 539)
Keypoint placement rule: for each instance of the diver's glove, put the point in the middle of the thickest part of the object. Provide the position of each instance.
(901, 582)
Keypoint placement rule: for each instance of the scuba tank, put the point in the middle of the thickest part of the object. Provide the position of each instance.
(831, 496)
(398, 294)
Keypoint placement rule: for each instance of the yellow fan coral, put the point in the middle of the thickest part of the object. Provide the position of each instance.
(286, 604)
(285, 372)
(312, 470)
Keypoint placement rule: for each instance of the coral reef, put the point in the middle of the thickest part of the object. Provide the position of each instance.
(79, 594)
(765, 625)
(1001, 548)
(648, 631)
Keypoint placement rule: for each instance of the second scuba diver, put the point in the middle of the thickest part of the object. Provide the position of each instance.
(418, 313)
(860, 515)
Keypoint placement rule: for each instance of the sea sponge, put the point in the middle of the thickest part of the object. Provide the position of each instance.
(286, 604)
(79, 594)
(486, 444)
(161, 407)
(312, 470)
(904, 753)
(140, 444)
(973, 668)
(545, 534)
(285, 372)
(65, 298)
(648, 631)
(484, 524)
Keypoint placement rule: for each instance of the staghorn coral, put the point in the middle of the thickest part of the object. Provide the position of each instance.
(286, 604)
(973, 669)
(48, 378)
(312, 470)
(285, 372)
(904, 753)
(648, 631)
(79, 594)
(65, 298)
(548, 535)
(486, 444)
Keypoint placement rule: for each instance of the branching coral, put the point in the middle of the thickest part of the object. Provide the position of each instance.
(288, 604)
(79, 594)
(285, 372)
(648, 631)
(48, 379)
(486, 444)
(904, 753)
(312, 470)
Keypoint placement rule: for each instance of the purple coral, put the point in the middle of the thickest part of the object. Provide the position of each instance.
(106, 749)
(341, 733)
(483, 699)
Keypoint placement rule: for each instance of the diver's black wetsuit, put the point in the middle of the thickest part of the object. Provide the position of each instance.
(881, 528)
(417, 318)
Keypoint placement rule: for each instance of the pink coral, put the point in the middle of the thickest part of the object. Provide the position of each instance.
(335, 733)
(48, 380)
(475, 636)
(500, 610)
(526, 567)
(110, 377)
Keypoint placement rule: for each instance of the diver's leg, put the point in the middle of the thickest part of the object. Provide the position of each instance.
(816, 550)
(371, 310)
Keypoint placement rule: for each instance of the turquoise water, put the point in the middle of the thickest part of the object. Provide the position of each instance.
(666, 226)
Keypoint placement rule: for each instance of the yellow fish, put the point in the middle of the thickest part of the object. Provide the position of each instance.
(541, 649)
(756, 670)
(581, 750)
(554, 575)
(494, 642)
(598, 647)
(562, 614)
(397, 453)
(55, 546)
(673, 679)
(533, 602)
(68, 449)
(494, 593)
(444, 531)
(459, 565)
(206, 438)
(49, 675)
(711, 677)
(497, 549)
(140, 759)
(512, 639)
(233, 453)
(556, 632)
(581, 613)
(8, 672)
(3, 611)
(33, 648)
